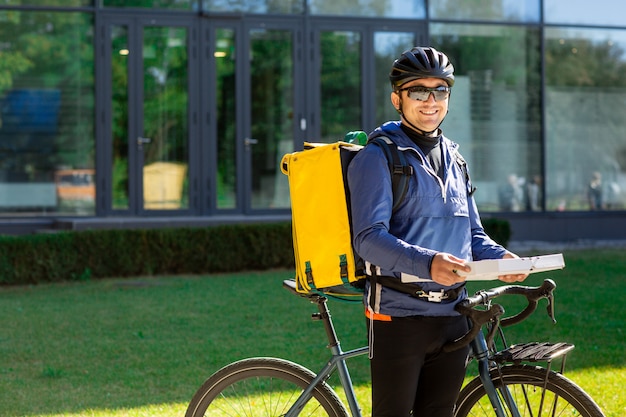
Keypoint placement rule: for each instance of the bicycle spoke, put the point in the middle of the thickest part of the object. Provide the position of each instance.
(532, 394)
(262, 387)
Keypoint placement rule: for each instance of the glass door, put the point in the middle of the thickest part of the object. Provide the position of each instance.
(272, 110)
(258, 111)
(148, 96)
(341, 83)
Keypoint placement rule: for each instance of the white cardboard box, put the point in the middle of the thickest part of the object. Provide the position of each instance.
(492, 268)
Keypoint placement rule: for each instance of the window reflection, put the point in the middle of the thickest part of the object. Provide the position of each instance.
(585, 126)
(47, 102)
(75, 186)
(494, 10)
(380, 8)
(387, 47)
(246, 6)
(225, 94)
(165, 113)
(495, 110)
(272, 109)
(165, 4)
(57, 3)
(340, 75)
(602, 12)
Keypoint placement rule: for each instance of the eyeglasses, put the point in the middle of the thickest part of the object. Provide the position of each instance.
(422, 93)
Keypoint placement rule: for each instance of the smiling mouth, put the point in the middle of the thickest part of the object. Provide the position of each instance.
(429, 113)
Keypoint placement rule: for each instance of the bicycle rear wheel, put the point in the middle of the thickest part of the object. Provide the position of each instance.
(561, 397)
(262, 387)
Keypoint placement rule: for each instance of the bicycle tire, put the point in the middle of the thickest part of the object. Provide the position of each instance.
(262, 387)
(525, 383)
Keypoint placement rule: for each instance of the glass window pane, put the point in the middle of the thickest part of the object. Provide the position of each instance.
(407, 9)
(600, 12)
(58, 3)
(272, 101)
(164, 4)
(495, 10)
(119, 118)
(585, 125)
(340, 75)
(260, 6)
(165, 118)
(47, 109)
(495, 110)
(387, 47)
(226, 123)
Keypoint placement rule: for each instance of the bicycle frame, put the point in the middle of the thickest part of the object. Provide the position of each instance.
(481, 353)
(337, 361)
(478, 345)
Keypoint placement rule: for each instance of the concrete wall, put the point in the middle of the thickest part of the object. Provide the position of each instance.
(566, 227)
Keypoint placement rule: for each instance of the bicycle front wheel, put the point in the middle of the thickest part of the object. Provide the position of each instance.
(262, 387)
(561, 397)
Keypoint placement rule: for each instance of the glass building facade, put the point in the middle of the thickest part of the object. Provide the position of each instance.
(180, 110)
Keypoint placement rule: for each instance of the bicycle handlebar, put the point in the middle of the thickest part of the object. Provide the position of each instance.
(480, 317)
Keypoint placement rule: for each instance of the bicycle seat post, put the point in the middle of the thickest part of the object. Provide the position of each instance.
(325, 317)
(338, 359)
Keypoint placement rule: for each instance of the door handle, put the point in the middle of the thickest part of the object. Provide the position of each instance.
(249, 141)
(142, 141)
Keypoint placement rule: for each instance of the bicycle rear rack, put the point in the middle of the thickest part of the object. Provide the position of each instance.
(532, 352)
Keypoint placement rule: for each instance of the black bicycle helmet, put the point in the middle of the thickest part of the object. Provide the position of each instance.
(421, 62)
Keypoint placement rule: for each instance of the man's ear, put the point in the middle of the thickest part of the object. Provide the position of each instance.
(395, 100)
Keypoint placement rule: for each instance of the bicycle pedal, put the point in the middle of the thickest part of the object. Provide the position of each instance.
(532, 352)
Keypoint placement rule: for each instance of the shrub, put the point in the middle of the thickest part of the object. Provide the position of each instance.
(80, 255)
(93, 254)
(498, 229)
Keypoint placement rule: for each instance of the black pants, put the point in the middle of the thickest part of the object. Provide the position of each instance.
(410, 373)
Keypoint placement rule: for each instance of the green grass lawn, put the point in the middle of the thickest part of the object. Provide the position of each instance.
(141, 347)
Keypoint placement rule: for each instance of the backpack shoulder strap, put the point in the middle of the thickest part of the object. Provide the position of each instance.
(399, 168)
(463, 165)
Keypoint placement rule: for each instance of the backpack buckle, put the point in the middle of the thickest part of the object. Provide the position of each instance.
(433, 296)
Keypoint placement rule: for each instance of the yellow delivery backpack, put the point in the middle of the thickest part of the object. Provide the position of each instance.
(320, 205)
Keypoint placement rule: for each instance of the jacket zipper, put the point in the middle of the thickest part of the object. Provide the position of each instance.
(442, 185)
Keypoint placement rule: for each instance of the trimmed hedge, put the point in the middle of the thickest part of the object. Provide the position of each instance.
(83, 255)
(498, 229)
(91, 254)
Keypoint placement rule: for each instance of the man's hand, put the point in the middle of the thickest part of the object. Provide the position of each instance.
(512, 278)
(445, 267)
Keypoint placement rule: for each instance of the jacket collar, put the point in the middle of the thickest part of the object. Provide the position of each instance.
(393, 131)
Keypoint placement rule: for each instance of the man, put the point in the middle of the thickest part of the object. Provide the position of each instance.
(429, 238)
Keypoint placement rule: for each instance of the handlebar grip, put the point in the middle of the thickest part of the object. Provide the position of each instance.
(479, 317)
(533, 295)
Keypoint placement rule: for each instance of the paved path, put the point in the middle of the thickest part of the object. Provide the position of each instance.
(538, 247)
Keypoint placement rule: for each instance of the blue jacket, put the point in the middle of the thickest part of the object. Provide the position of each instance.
(435, 216)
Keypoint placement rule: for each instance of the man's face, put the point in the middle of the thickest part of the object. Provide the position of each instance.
(425, 115)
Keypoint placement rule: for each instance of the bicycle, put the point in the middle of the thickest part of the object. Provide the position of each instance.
(508, 384)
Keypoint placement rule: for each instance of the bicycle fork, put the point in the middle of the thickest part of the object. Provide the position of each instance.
(481, 353)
